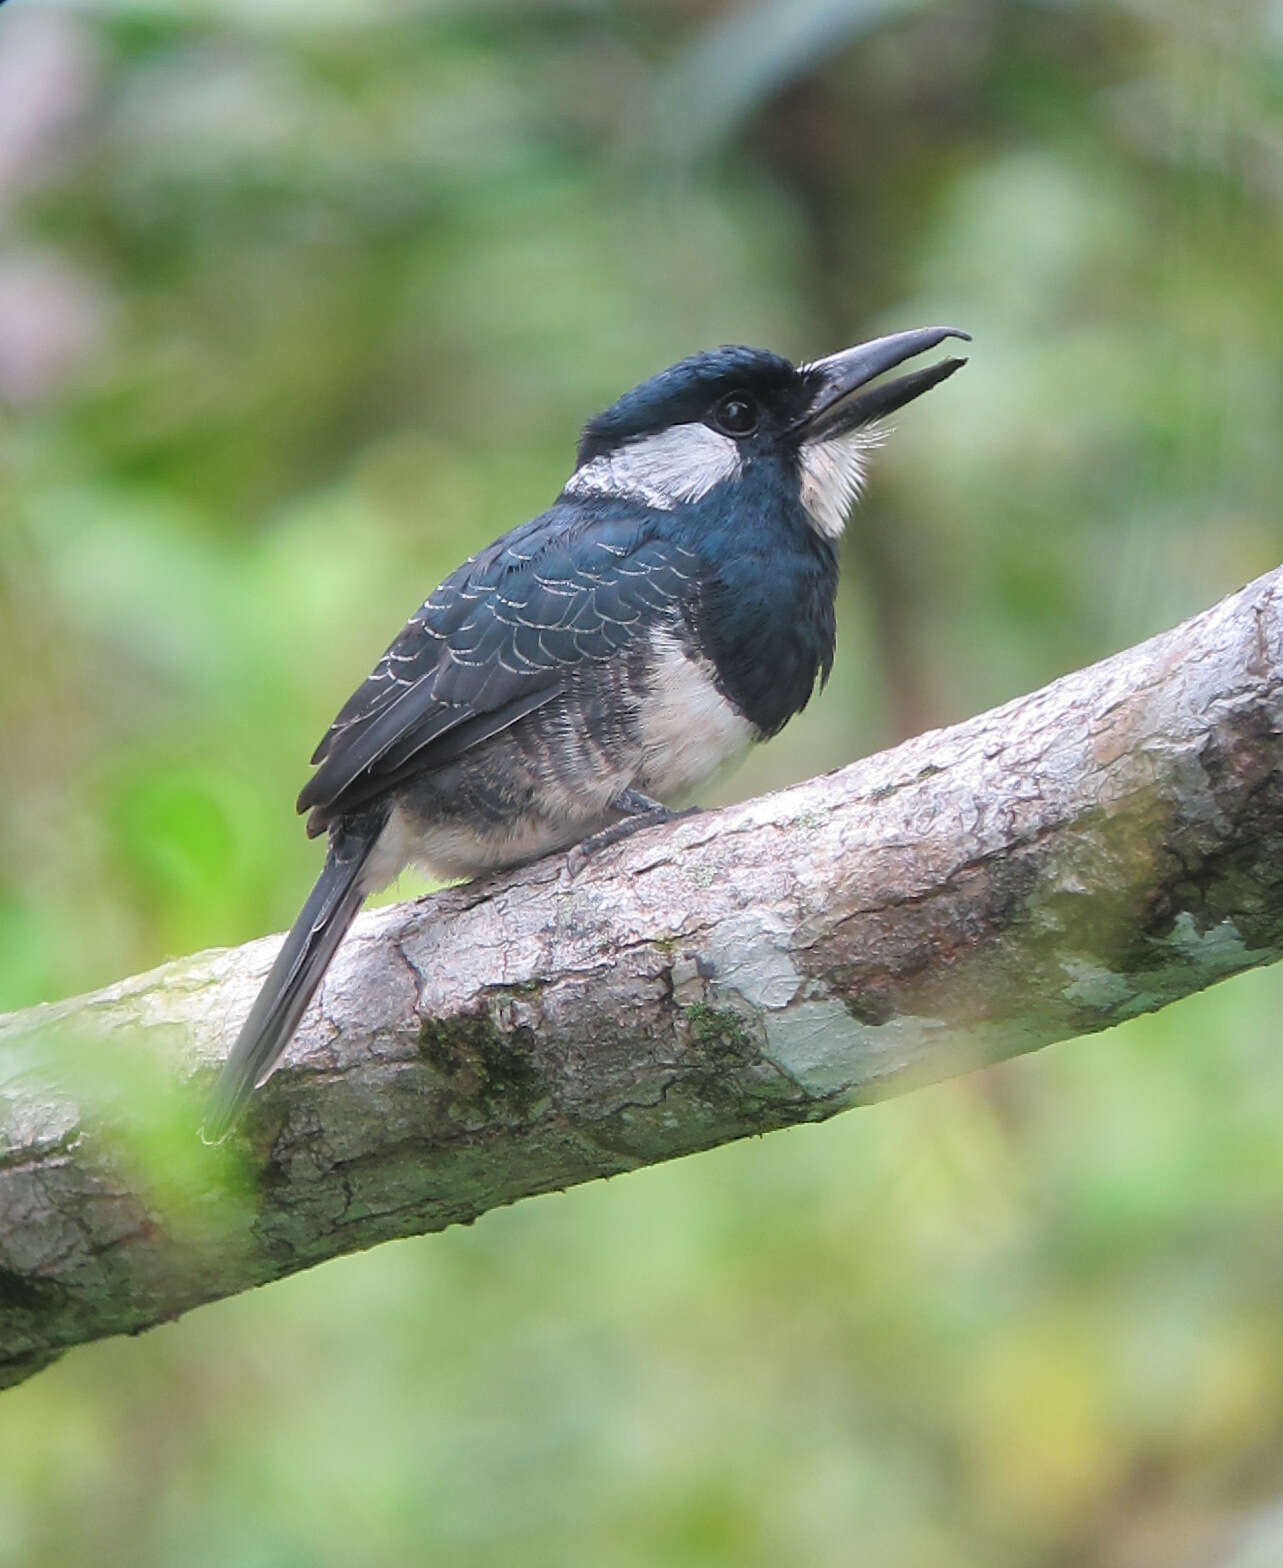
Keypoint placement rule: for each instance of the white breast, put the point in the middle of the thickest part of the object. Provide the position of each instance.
(689, 730)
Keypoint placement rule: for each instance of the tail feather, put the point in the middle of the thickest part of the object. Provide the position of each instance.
(305, 955)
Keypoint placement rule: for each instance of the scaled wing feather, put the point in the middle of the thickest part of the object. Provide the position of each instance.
(494, 642)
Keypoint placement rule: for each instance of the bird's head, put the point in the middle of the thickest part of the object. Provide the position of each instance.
(717, 417)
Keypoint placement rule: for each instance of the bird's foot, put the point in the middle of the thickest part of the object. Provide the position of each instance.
(641, 812)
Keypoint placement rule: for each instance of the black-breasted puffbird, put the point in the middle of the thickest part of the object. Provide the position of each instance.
(673, 605)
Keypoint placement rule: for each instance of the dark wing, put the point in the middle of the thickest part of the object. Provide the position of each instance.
(495, 641)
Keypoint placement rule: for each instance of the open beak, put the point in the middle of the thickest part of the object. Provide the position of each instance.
(834, 410)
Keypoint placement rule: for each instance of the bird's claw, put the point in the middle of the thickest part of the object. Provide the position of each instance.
(649, 815)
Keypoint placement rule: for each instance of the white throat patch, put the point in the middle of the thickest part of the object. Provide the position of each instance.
(832, 477)
(664, 470)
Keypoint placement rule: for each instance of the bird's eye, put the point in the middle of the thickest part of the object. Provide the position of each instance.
(736, 414)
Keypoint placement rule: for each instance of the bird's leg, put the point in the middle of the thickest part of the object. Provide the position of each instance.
(641, 811)
(637, 811)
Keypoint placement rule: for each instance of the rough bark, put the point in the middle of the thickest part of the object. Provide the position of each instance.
(1089, 852)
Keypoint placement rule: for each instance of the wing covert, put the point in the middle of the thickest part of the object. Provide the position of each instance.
(495, 641)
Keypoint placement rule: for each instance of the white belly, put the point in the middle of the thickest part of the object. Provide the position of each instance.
(689, 731)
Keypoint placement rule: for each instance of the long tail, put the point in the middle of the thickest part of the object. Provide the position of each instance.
(313, 939)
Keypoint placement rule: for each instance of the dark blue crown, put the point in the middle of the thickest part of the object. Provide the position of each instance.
(685, 391)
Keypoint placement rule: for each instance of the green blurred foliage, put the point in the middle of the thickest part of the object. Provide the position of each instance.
(299, 303)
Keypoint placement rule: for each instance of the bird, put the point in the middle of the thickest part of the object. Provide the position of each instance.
(673, 606)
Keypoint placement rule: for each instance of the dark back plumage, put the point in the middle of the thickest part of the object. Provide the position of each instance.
(496, 640)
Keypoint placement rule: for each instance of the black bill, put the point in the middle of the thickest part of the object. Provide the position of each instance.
(835, 410)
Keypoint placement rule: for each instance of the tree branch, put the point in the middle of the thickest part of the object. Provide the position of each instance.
(1092, 851)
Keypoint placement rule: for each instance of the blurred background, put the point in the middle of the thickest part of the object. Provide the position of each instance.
(303, 300)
